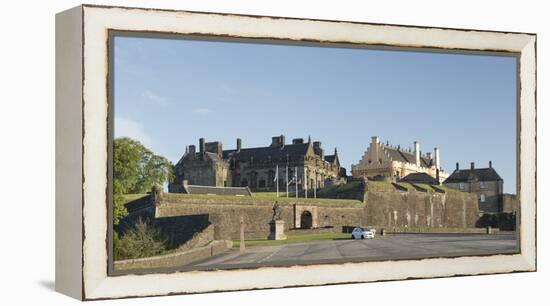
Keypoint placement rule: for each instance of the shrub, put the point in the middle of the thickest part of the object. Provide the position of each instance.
(141, 240)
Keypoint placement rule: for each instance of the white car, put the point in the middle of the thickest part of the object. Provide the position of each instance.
(361, 233)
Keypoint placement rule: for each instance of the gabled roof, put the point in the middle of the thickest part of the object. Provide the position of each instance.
(235, 191)
(420, 178)
(208, 155)
(479, 174)
(408, 157)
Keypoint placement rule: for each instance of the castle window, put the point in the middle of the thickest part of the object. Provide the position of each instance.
(482, 198)
(253, 180)
(461, 186)
(481, 185)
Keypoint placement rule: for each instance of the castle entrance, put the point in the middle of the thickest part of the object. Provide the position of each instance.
(306, 220)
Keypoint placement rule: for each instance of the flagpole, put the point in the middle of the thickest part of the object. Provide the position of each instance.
(296, 181)
(305, 184)
(286, 181)
(315, 186)
(277, 179)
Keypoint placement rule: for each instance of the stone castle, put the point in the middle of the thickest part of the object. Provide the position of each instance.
(302, 164)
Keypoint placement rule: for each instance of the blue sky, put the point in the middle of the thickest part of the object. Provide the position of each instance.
(169, 93)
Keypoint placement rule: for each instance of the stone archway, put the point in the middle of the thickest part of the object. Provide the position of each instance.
(306, 220)
(299, 209)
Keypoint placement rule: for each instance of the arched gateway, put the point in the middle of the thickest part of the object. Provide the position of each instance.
(306, 220)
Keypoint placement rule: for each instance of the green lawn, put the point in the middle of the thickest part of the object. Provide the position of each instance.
(132, 197)
(380, 186)
(406, 185)
(262, 196)
(292, 239)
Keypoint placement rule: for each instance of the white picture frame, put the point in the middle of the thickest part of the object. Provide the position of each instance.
(82, 148)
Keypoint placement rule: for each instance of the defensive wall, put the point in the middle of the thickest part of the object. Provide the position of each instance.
(383, 205)
(419, 206)
(226, 214)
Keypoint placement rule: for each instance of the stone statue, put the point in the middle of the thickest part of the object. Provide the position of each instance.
(276, 211)
(277, 225)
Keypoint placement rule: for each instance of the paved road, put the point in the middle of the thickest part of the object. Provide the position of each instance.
(398, 246)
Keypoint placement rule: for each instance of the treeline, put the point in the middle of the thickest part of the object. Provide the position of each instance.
(135, 170)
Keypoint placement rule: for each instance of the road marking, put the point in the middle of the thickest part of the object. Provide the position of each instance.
(270, 255)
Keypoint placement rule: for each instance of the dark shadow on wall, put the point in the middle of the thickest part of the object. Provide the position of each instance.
(180, 229)
(177, 229)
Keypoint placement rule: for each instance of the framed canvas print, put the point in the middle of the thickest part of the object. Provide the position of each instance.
(200, 152)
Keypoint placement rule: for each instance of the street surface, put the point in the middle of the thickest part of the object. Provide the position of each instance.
(391, 247)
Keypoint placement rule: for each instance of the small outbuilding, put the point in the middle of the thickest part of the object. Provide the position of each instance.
(419, 178)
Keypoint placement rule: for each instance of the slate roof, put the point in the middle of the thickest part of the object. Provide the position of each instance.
(293, 151)
(209, 155)
(408, 157)
(235, 191)
(275, 153)
(480, 174)
(420, 178)
(262, 153)
(330, 158)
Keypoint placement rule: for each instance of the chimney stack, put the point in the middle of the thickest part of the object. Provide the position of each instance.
(417, 153)
(490, 164)
(239, 144)
(436, 158)
(457, 167)
(202, 147)
(472, 165)
(278, 141)
(374, 148)
(192, 151)
(297, 141)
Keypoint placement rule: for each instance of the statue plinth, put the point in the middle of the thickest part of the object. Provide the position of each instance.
(277, 230)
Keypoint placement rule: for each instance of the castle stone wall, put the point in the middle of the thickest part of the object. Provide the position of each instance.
(225, 217)
(386, 207)
(421, 209)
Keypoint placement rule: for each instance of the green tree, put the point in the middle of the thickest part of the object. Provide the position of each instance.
(136, 169)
